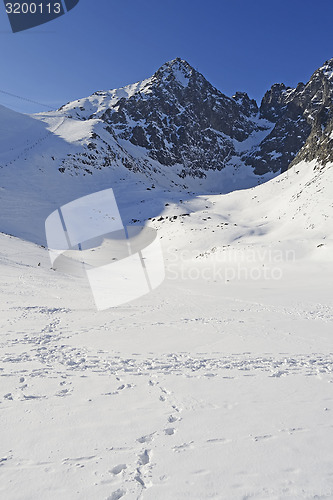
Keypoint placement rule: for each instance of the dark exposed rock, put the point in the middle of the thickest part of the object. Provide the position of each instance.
(301, 116)
(319, 145)
(183, 120)
(247, 106)
(274, 102)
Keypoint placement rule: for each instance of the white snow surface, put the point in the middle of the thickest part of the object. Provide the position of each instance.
(33, 147)
(218, 384)
(104, 99)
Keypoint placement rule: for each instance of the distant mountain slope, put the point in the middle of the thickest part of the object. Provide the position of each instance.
(293, 211)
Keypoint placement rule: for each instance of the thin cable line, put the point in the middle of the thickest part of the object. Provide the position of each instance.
(26, 99)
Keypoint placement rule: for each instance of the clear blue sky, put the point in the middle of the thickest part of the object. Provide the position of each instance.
(103, 44)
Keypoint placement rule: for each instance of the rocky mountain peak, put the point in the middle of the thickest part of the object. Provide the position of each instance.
(248, 106)
(273, 102)
(176, 121)
(327, 69)
(177, 70)
(183, 121)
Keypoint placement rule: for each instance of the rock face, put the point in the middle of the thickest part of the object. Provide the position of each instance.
(302, 118)
(177, 120)
(318, 94)
(181, 119)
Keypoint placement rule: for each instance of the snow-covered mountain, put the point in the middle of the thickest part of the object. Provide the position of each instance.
(302, 117)
(175, 119)
(173, 132)
(180, 120)
(216, 384)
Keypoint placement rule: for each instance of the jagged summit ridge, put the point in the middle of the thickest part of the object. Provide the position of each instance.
(327, 69)
(175, 71)
(178, 70)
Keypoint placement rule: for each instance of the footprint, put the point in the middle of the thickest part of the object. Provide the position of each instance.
(202, 472)
(170, 431)
(32, 397)
(145, 457)
(118, 469)
(63, 393)
(172, 419)
(182, 447)
(178, 410)
(260, 438)
(124, 386)
(139, 479)
(146, 439)
(291, 430)
(219, 440)
(145, 483)
(77, 461)
(116, 495)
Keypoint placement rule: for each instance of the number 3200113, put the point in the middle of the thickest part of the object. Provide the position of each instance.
(33, 8)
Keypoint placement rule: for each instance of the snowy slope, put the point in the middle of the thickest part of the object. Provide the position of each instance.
(215, 385)
(32, 165)
(293, 209)
(102, 100)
